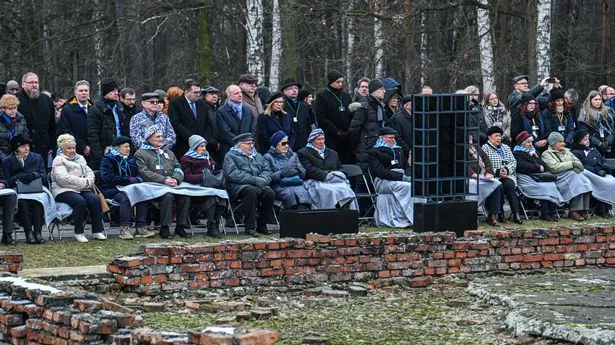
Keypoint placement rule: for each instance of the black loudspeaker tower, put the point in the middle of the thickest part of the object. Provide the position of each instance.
(442, 124)
(324, 222)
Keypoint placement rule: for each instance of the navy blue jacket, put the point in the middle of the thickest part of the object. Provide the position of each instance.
(13, 171)
(74, 121)
(111, 175)
(230, 126)
(268, 125)
(592, 161)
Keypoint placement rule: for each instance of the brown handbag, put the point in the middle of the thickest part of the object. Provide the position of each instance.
(104, 206)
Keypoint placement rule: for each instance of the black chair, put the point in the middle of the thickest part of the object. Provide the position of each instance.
(353, 170)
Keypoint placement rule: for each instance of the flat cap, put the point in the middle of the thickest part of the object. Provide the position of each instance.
(242, 138)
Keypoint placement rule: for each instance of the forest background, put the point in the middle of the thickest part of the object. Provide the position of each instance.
(444, 44)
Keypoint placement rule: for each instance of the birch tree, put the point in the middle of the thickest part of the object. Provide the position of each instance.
(543, 39)
(276, 46)
(349, 42)
(485, 46)
(423, 49)
(254, 45)
(378, 42)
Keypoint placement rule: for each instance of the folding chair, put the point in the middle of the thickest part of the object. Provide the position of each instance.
(353, 170)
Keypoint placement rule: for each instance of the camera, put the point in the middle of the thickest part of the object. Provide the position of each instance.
(550, 80)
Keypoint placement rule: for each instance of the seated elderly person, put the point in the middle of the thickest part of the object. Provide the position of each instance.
(597, 171)
(386, 162)
(530, 180)
(504, 166)
(25, 166)
(572, 184)
(326, 182)
(287, 173)
(158, 164)
(193, 164)
(72, 183)
(249, 177)
(119, 168)
(489, 188)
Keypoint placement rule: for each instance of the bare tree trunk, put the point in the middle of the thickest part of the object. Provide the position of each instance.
(423, 49)
(98, 41)
(485, 47)
(408, 44)
(254, 46)
(350, 45)
(276, 47)
(378, 42)
(605, 32)
(204, 45)
(543, 39)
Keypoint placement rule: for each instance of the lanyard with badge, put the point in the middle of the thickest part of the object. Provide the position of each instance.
(561, 127)
(341, 107)
(159, 166)
(295, 110)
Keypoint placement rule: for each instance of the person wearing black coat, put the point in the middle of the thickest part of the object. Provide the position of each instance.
(402, 123)
(299, 112)
(74, 117)
(189, 115)
(527, 117)
(40, 116)
(210, 96)
(274, 119)
(233, 118)
(25, 166)
(106, 121)
(383, 159)
(333, 116)
(557, 116)
(318, 167)
(367, 122)
(593, 161)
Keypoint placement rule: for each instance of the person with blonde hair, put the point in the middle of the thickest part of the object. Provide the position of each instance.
(72, 182)
(595, 119)
(273, 120)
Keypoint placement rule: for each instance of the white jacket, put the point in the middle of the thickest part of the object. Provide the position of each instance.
(70, 175)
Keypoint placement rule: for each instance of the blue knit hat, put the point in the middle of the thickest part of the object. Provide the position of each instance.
(277, 137)
(315, 134)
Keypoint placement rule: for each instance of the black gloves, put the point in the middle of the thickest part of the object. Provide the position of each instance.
(27, 177)
(289, 172)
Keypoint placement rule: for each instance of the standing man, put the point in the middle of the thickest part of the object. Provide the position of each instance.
(39, 112)
(189, 116)
(233, 118)
(151, 115)
(247, 83)
(210, 96)
(402, 123)
(128, 98)
(105, 121)
(520, 86)
(299, 112)
(361, 90)
(333, 116)
(74, 118)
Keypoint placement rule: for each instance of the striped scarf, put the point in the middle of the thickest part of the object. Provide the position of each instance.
(531, 152)
(251, 155)
(193, 154)
(123, 163)
(320, 152)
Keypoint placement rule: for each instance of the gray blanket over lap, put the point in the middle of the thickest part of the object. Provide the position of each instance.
(326, 195)
(145, 191)
(603, 188)
(571, 184)
(485, 188)
(394, 204)
(49, 204)
(540, 190)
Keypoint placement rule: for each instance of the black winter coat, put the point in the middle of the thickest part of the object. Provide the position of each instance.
(13, 171)
(230, 126)
(333, 120)
(602, 144)
(130, 112)
(74, 121)
(527, 164)
(185, 124)
(268, 125)
(402, 123)
(101, 129)
(302, 120)
(19, 125)
(552, 124)
(40, 117)
(364, 127)
(381, 162)
(591, 158)
(317, 168)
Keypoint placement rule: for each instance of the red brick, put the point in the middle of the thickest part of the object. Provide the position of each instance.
(147, 280)
(275, 254)
(548, 241)
(260, 337)
(420, 281)
(384, 274)
(532, 258)
(304, 253)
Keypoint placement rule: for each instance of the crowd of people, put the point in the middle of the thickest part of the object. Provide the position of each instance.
(264, 145)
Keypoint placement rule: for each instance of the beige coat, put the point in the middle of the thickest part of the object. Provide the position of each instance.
(71, 175)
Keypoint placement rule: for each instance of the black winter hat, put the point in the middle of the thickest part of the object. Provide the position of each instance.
(107, 85)
(303, 93)
(332, 76)
(274, 96)
(494, 129)
(18, 140)
(387, 131)
(244, 137)
(556, 94)
(374, 85)
(407, 98)
(122, 139)
(519, 78)
(579, 134)
(526, 97)
(289, 82)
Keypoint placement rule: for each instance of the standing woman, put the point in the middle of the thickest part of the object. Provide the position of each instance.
(557, 116)
(594, 118)
(193, 164)
(25, 166)
(11, 123)
(72, 183)
(272, 120)
(527, 118)
(494, 114)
